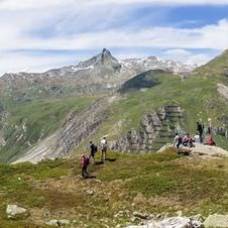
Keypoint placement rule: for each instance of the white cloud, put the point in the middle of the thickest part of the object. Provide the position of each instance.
(210, 37)
(20, 62)
(20, 18)
(188, 57)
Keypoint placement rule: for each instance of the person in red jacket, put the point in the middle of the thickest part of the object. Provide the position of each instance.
(210, 141)
(84, 164)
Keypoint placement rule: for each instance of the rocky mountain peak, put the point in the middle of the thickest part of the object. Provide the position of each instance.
(106, 53)
(104, 58)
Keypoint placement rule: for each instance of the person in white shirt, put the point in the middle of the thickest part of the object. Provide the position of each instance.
(104, 148)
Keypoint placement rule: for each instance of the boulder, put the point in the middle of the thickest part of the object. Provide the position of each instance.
(216, 221)
(198, 150)
(211, 151)
(14, 211)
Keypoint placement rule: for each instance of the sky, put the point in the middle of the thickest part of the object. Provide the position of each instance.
(40, 35)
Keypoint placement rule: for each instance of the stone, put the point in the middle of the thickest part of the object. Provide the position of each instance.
(14, 211)
(140, 215)
(55, 222)
(216, 220)
(90, 192)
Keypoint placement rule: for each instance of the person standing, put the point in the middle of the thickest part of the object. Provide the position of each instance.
(200, 129)
(93, 150)
(177, 141)
(209, 126)
(104, 148)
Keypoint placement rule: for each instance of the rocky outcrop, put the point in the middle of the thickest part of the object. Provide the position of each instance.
(198, 150)
(223, 90)
(76, 128)
(155, 129)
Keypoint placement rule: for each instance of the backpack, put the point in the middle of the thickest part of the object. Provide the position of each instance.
(84, 161)
(180, 139)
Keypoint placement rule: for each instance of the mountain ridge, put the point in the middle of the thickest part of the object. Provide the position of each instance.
(99, 74)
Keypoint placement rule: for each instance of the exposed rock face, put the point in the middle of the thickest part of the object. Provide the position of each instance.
(103, 59)
(77, 127)
(3, 116)
(155, 129)
(223, 90)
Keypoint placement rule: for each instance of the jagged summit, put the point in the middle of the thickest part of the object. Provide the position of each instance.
(104, 58)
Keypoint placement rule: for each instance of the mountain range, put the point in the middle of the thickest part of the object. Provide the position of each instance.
(101, 73)
(138, 103)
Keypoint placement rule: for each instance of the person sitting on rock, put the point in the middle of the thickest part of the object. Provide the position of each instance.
(188, 141)
(210, 141)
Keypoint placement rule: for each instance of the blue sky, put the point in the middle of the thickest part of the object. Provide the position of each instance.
(52, 33)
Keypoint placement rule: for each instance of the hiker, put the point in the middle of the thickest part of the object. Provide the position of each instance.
(200, 129)
(210, 141)
(104, 148)
(187, 141)
(93, 150)
(177, 140)
(84, 165)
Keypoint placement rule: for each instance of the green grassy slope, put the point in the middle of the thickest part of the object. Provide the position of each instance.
(216, 68)
(40, 118)
(153, 183)
(197, 95)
